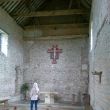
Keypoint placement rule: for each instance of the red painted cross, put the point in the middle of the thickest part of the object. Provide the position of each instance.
(54, 53)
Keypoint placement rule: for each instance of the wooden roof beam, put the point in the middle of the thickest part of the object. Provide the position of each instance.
(49, 32)
(80, 36)
(9, 0)
(57, 26)
(52, 13)
(70, 4)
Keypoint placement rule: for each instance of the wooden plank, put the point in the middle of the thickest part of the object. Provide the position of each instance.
(63, 32)
(9, 0)
(56, 26)
(70, 4)
(60, 33)
(25, 38)
(52, 13)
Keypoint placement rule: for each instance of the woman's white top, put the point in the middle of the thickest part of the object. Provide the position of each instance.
(34, 92)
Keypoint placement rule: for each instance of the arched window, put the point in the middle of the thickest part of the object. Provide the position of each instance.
(3, 42)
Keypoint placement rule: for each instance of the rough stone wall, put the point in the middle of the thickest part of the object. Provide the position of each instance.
(100, 55)
(15, 55)
(69, 76)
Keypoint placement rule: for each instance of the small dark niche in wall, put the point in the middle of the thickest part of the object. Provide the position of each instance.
(98, 74)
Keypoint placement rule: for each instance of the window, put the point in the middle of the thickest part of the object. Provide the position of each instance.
(91, 36)
(3, 42)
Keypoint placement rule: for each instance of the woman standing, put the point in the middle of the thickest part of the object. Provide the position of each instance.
(34, 95)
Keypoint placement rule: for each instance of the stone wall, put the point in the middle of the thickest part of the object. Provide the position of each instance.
(14, 57)
(100, 55)
(69, 76)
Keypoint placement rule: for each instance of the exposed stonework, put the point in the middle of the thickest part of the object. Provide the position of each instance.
(69, 76)
(14, 57)
(100, 55)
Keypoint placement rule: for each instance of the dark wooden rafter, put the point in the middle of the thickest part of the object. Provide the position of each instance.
(57, 26)
(52, 13)
(78, 3)
(78, 36)
(10, 0)
(26, 10)
(27, 3)
(86, 3)
(56, 31)
(70, 4)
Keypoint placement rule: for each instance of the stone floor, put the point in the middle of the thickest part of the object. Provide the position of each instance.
(42, 106)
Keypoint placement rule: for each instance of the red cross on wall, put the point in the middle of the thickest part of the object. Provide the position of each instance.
(54, 53)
